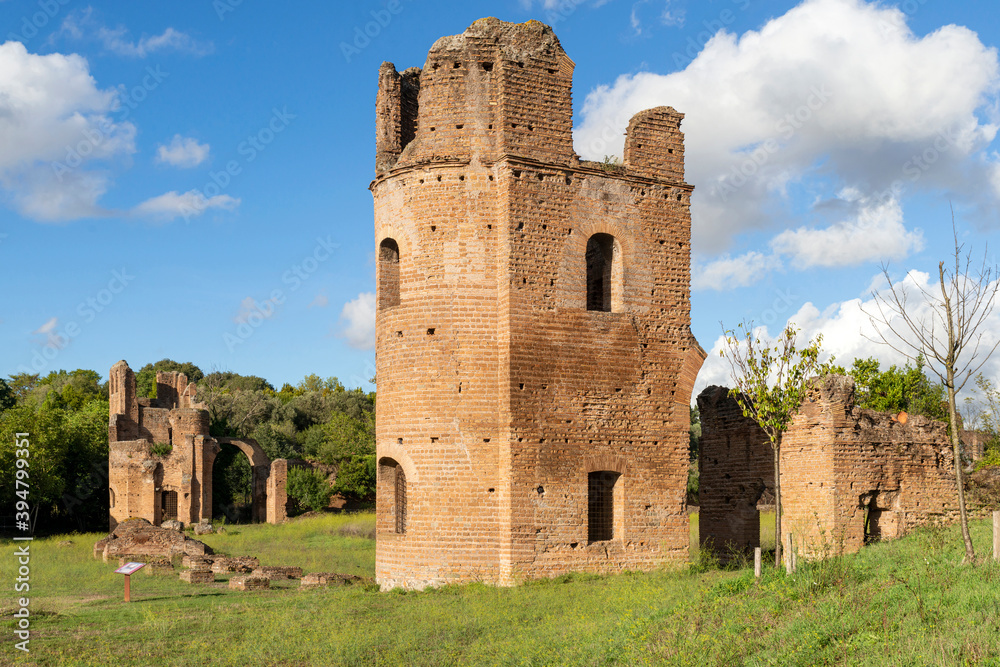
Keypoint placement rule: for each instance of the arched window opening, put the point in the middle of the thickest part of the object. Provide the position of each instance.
(111, 492)
(388, 274)
(604, 273)
(601, 514)
(393, 480)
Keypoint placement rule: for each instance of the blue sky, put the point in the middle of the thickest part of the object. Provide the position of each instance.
(189, 179)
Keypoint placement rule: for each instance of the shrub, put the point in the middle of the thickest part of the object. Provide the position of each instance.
(161, 448)
(309, 488)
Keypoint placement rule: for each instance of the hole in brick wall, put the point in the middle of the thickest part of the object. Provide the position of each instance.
(670, 150)
(489, 226)
(437, 65)
(531, 128)
(486, 439)
(569, 232)
(569, 421)
(433, 129)
(430, 332)
(519, 227)
(487, 66)
(662, 241)
(459, 127)
(573, 545)
(433, 439)
(569, 180)
(439, 179)
(540, 177)
(517, 173)
(678, 197)
(460, 387)
(491, 177)
(520, 64)
(545, 226)
(457, 66)
(421, 181)
(490, 126)
(522, 385)
(490, 490)
(540, 490)
(541, 441)
(652, 292)
(545, 386)
(399, 334)
(638, 145)
(461, 178)
(551, 282)
(551, 71)
(648, 391)
(399, 441)
(524, 281)
(513, 126)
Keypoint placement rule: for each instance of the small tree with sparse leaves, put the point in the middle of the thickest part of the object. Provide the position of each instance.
(769, 385)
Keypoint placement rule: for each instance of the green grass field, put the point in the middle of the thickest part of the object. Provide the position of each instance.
(901, 603)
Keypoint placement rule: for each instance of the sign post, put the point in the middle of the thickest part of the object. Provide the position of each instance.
(128, 569)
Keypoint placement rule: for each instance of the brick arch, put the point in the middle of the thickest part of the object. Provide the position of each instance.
(392, 450)
(261, 467)
(604, 461)
(635, 273)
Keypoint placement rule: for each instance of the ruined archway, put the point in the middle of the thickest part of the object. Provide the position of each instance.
(256, 466)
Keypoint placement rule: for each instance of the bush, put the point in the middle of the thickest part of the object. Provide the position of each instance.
(161, 448)
(309, 488)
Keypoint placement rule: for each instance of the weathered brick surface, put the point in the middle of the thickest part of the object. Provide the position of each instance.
(137, 539)
(275, 572)
(847, 474)
(197, 562)
(319, 579)
(249, 582)
(499, 391)
(237, 564)
(198, 576)
(150, 486)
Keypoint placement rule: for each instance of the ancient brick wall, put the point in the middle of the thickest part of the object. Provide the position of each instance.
(505, 404)
(174, 485)
(848, 475)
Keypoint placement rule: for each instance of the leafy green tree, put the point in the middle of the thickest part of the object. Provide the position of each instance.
(905, 389)
(769, 385)
(7, 397)
(145, 379)
(22, 384)
(309, 488)
(348, 444)
(232, 485)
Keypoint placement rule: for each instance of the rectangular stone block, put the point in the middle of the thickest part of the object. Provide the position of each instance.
(198, 576)
(249, 582)
(278, 572)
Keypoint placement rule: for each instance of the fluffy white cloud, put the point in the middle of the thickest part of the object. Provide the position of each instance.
(357, 320)
(182, 152)
(58, 131)
(838, 85)
(848, 331)
(872, 231)
(191, 204)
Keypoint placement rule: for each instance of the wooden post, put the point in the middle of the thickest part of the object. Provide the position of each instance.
(756, 562)
(127, 592)
(996, 536)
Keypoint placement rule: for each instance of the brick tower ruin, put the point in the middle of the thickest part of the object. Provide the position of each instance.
(534, 356)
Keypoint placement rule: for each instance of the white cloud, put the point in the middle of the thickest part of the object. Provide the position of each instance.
(51, 336)
(875, 232)
(58, 132)
(358, 322)
(728, 272)
(838, 85)
(182, 152)
(250, 308)
(871, 231)
(171, 205)
(321, 301)
(848, 332)
(82, 24)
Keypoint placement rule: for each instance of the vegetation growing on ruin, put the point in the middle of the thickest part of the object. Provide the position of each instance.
(902, 602)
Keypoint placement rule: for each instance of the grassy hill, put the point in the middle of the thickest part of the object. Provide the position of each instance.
(906, 602)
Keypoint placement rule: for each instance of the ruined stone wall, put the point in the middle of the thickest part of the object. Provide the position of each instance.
(848, 475)
(499, 392)
(138, 478)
